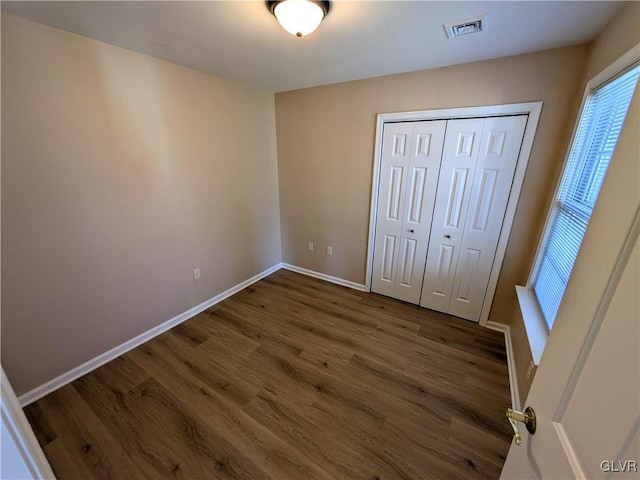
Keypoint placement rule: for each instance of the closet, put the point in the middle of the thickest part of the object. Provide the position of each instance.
(442, 196)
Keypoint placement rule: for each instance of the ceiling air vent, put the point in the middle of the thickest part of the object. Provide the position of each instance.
(468, 26)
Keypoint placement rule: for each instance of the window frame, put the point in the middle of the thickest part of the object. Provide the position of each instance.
(535, 323)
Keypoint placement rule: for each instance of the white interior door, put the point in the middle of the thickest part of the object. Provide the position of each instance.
(492, 179)
(586, 392)
(411, 155)
(461, 147)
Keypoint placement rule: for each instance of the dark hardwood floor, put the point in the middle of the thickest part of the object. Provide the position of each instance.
(292, 378)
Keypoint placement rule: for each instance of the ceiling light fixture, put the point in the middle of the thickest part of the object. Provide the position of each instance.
(299, 17)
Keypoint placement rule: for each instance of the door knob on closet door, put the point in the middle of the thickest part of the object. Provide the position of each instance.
(447, 236)
(411, 230)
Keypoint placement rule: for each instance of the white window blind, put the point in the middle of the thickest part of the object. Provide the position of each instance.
(595, 139)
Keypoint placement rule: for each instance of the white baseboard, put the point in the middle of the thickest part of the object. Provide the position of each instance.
(77, 372)
(513, 380)
(324, 276)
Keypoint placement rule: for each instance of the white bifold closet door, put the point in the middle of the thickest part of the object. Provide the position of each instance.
(442, 196)
(478, 165)
(411, 154)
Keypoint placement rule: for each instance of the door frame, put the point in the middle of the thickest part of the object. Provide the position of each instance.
(27, 449)
(532, 109)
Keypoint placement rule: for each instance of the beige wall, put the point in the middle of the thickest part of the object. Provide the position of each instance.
(120, 174)
(622, 33)
(615, 40)
(325, 154)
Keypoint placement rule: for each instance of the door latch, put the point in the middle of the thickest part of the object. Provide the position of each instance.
(528, 417)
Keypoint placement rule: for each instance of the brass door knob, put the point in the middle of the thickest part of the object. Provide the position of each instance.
(528, 418)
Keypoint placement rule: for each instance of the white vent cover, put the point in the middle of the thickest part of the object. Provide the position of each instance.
(468, 26)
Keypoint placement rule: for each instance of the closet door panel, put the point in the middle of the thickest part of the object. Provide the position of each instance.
(459, 158)
(427, 142)
(495, 168)
(391, 191)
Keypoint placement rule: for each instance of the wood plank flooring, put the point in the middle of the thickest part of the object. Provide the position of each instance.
(291, 378)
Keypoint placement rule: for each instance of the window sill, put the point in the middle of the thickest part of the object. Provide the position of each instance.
(533, 322)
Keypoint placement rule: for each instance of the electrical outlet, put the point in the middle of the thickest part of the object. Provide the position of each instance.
(329, 250)
(196, 273)
(530, 370)
(310, 246)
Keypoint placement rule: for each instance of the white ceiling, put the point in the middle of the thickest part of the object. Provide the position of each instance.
(242, 41)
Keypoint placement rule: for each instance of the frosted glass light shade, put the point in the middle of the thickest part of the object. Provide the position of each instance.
(299, 17)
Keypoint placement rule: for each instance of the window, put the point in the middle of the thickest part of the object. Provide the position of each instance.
(593, 145)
